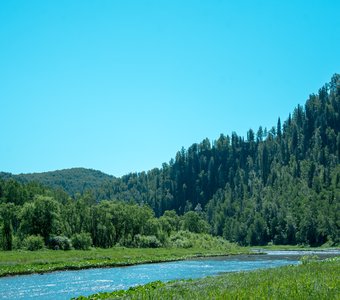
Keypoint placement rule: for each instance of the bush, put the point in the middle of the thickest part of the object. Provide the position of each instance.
(34, 242)
(181, 239)
(146, 241)
(18, 243)
(187, 239)
(82, 241)
(60, 243)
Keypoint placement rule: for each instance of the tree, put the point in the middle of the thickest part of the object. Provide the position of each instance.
(41, 217)
(259, 135)
(278, 129)
(193, 222)
(7, 213)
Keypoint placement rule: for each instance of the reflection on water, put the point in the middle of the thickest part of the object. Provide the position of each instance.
(67, 284)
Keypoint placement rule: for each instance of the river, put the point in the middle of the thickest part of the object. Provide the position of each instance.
(67, 284)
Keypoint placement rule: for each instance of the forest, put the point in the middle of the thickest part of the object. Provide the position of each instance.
(279, 186)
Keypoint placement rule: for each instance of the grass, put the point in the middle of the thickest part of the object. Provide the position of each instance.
(310, 280)
(290, 247)
(27, 262)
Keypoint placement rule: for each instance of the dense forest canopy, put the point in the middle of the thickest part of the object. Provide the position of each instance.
(278, 185)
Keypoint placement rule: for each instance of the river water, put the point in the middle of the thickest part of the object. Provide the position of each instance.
(67, 284)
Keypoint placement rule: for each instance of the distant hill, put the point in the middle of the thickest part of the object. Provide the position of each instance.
(73, 181)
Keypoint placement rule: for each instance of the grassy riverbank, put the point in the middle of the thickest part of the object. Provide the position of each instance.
(295, 247)
(311, 280)
(26, 262)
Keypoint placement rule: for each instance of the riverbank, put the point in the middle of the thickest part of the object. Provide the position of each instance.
(292, 248)
(29, 262)
(309, 280)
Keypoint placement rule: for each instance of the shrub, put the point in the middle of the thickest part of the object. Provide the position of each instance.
(60, 243)
(146, 241)
(187, 239)
(18, 243)
(181, 239)
(34, 242)
(82, 241)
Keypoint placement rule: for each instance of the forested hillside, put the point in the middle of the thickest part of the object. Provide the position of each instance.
(73, 181)
(280, 185)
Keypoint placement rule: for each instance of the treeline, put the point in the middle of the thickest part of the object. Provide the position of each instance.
(279, 185)
(32, 217)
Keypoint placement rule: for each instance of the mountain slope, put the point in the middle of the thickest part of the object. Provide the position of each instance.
(280, 185)
(73, 181)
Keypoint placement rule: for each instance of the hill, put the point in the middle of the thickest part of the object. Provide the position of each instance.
(279, 186)
(73, 181)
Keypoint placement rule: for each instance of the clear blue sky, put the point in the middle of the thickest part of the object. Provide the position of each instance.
(121, 86)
